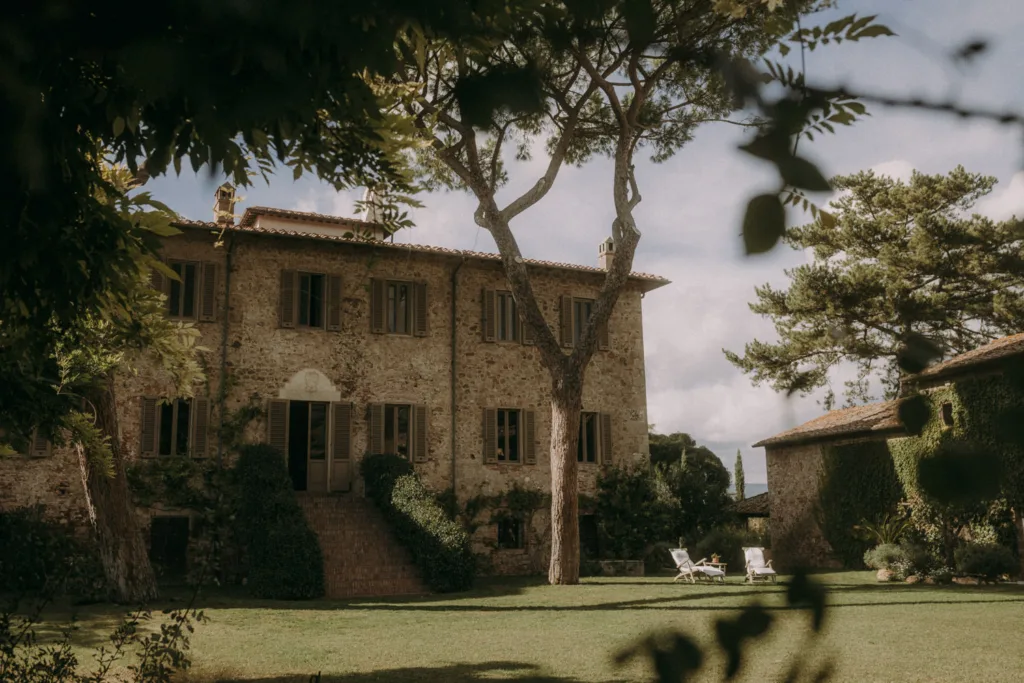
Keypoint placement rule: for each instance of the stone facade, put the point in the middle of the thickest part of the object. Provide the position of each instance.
(356, 367)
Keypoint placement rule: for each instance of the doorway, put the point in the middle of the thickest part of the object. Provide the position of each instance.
(307, 445)
(168, 546)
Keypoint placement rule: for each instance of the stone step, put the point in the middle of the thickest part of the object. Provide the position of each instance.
(361, 556)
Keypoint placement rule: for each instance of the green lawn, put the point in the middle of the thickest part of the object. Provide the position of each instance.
(518, 629)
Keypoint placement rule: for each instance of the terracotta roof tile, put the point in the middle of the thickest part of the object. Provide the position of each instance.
(755, 506)
(1000, 348)
(876, 417)
(247, 225)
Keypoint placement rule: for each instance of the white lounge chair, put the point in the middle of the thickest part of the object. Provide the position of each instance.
(757, 568)
(688, 569)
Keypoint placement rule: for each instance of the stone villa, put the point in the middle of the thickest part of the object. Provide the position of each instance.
(352, 344)
(795, 458)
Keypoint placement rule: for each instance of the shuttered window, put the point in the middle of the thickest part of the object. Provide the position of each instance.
(511, 534)
(178, 427)
(400, 429)
(398, 307)
(595, 442)
(575, 314)
(38, 445)
(509, 436)
(501, 321)
(310, 300)
(193, 295)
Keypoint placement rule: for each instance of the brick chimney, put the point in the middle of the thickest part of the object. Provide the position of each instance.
(605, 254)
(224, 205)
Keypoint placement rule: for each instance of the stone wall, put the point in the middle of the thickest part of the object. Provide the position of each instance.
(794, 475)
(266, 361)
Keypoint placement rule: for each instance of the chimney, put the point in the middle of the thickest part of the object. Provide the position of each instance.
(224, 206)
(373, 214)
(605, 254)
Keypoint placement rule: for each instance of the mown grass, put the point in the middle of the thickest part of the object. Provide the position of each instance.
(521, 629)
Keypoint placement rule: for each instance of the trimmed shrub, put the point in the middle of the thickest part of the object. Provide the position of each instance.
(439, 545)
(41, 556)
(985, 559)
(728, 542)
(885, 556)
(284, 557)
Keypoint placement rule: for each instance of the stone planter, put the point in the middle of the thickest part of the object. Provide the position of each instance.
(622, 567)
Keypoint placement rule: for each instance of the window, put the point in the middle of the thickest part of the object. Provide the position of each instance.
(508, 436)
(510, 534)
(396, 429)
(38, 446)
(176, 427)
(582, 309)
(311, 300)
(168, 545)
(587, 448)
(947, 414)
(506, 317)
(399, 311)
(173, 433)
(182, 296)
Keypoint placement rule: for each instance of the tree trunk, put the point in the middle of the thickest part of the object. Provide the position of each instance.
(122, 551)
(1018, 526)
(566, 404)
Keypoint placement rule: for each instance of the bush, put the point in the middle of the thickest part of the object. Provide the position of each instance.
(439, 545)
(942, 575)
(635, 510)
(41, 556)
(985, 559)
(284, 557)
(728, 542)
(885, 556)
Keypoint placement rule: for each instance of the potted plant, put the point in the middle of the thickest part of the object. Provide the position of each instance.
(714, 558)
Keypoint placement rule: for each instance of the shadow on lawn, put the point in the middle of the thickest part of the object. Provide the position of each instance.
(455, 673)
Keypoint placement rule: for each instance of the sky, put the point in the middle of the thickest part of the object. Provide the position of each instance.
(693, 204)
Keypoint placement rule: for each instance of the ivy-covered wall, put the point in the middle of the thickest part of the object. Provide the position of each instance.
(858, 482)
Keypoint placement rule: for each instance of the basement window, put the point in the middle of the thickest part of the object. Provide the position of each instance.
(510, 534)
(947, 414)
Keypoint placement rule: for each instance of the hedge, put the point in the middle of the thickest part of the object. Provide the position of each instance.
(284, 557)
(438, 544)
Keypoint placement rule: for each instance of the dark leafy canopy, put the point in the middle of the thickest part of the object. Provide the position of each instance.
(233, 87)
(904, 258)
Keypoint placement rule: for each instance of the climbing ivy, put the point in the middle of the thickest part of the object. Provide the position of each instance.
(859, 483)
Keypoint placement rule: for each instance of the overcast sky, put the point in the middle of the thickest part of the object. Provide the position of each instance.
(692, 207)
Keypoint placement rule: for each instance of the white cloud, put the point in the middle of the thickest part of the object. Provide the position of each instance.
(897, 169)
(1005, 202)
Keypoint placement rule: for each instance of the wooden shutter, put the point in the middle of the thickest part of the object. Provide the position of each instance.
(489, 321)
(602, 336)
(287, 306)
(40, 446)
(419, 433)
(200, 427)
(490, 435)
(150, 428)
(334, 303)
(277, 424)
(378, 306)
(529, 438)
(419, 310)
(605, 435)
(566, 321)
(208, 293)
(341, 448)
(376, 440)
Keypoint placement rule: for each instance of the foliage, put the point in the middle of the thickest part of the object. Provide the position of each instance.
(884, 556)
(44, 557)
(284, 557)
(635, 510)
(886, 529)
(901, 257)
(728, 543)
(666, 449)
(989, 560)
(858, 482)
(439, 545)
(739, 479)
(700, 483)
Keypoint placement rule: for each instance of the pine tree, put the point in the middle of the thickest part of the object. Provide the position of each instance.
(740, 479)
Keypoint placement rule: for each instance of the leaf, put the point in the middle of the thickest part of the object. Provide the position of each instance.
(875, 31)
(913, 413)
(800, 172)
(960, 473)
(916, 353)
(783, 49)
(118, 126)
(515, 89)
(640, 20)
(771, 146)
(827, 220)
(764, 223)
(805, 592)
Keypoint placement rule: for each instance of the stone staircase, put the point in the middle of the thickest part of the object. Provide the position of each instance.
(361, 556)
